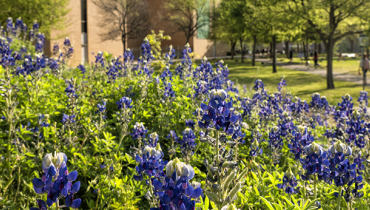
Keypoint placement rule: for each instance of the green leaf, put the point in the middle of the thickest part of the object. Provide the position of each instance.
(277, 206)
(30, 154)
(206, 203)
(268, 204)
(308, 205)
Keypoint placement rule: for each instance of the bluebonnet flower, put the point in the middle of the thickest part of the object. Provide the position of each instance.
(275, 140)
(128, 56)
(179, 70)
(289, 183)
(99, 59)
(166, 74)
(315, 162)
(146, 52)
(176, 192)
(346, 105)
(139, 131)
(295, 145)
(281, 83)
(258, 85)
(170, 55)
(67, 42)
(41, 205)
(187, 143)
(70, 90)
(56, 49)
(152, 140)
(172, 135)
(363, 100)
(255, 149)
(189, 123)
(66, 119)
(23, 49)
(102, 108)
(168, 92)
(299, 107)
(204, 72)
(35, 25)
(112, 72)
(201, 89)
(124, 103)
(186, 63)
(69, 52)
(217, 113)
(57, 181)
(82, 69)
(319, 102)
(246, 106)
(150, 163)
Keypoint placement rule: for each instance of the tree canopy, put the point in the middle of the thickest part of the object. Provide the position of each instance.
(50, 14)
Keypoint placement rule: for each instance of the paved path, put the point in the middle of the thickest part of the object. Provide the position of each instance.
(321, 72)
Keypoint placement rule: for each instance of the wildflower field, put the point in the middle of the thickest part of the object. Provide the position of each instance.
(131, 133)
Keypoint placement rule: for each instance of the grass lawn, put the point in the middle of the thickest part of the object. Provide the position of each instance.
(347, 66)
(300, 84)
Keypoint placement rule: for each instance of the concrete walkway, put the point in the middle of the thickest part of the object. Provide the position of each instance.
(321, 72)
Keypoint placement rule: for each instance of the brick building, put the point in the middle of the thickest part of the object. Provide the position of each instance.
(84, 31)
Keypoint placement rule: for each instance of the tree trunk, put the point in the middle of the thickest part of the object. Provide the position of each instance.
(287, 49)
(270, 51)
(241, 48)
(124, 43)
(232, 49)
(254, 50)
(305, 50)
(319, 49)
(297, 47)
(351, 42)
(315, 46)
(273, 54)
(329, 57)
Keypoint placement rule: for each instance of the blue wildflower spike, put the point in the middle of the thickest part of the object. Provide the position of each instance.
(189, 191)
(157, 185)
(197, 192)
(52, 171)
(41, 205)
(37, 183)
(72, 176)
(76, 187)
(76, 203)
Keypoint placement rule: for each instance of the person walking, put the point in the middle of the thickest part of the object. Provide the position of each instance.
(364, 65)
(315, 58)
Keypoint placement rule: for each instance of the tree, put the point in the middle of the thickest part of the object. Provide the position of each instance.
(352, 39)
(330, 19)
(221, 29)
(276, 24)
(188, 15)
(49, 14)
(123, 19)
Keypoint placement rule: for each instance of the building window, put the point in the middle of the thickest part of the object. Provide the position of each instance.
(84, 51)
(203, 31)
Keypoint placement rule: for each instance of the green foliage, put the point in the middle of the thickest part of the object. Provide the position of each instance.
(49, 14)
(18, 43)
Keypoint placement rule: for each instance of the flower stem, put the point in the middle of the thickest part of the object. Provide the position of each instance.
(217, 156)
(315, 185)
(339, 198)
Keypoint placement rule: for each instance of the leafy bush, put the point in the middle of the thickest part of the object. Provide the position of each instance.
(180, 137)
